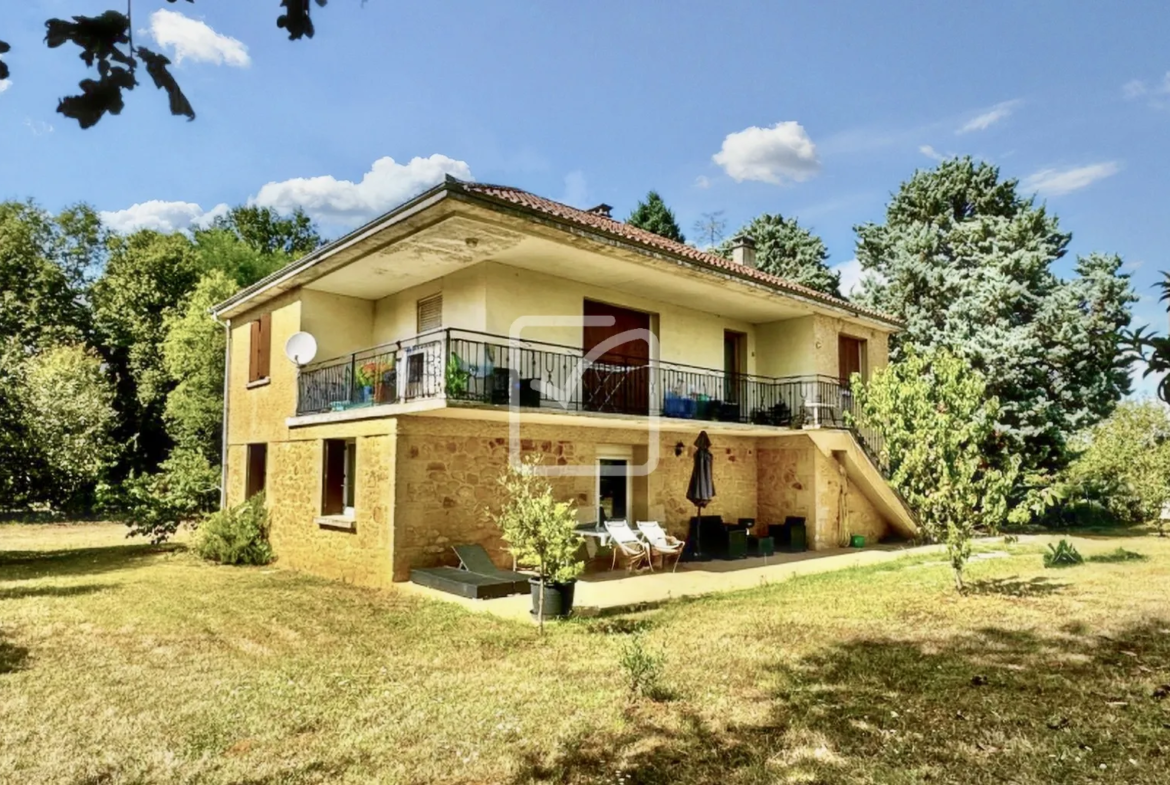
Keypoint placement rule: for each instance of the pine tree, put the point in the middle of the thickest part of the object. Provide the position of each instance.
(787, 249)
(654, 216)
(966, 262)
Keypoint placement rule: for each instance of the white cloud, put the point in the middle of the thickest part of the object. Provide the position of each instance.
(930, 152)
(850, 276)
(38, 127)
(1157, 92)
(1134, 89)
(194, 40)
(989, 118)
(5, 84)
(329, 200)
(702, 181)
(774, 155)
(576, 190)
(1055, 182)
(161, 216)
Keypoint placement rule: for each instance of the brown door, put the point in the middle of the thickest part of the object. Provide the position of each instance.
(849, 354)
(734, 367)
(619, 380)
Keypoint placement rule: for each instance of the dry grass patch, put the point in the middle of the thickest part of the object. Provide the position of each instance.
(125, 663)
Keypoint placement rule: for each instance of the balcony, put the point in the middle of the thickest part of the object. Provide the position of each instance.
(469, 368)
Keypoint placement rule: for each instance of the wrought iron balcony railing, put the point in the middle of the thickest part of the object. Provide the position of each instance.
(471, 367)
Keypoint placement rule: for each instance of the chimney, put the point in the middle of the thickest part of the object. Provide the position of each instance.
(601, 209)
(743, 250)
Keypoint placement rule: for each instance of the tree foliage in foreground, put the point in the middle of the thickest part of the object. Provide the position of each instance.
(654, 216)
(935, 417)
(787, 249)
(1126, 462)
(107, 46)
(1153, 349)
(966, 262)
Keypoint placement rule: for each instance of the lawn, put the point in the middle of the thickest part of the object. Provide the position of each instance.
(120, 662)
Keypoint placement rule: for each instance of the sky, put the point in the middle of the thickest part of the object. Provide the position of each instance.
(812, 110)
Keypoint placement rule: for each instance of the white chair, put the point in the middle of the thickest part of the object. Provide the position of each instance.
(661, 542)
(627, 544)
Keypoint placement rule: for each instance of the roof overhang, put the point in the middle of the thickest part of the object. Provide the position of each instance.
(450, 198)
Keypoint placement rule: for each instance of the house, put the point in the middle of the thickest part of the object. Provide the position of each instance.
(475, 319)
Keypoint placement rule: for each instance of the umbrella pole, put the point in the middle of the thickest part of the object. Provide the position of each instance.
(698, 554)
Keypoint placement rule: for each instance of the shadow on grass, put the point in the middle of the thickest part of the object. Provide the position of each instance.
(22, 565)
(1015, 587)
(12, 657)
(995, 705)
(28, 592)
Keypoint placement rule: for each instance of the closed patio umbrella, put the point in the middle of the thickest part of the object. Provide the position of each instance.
(701, 490)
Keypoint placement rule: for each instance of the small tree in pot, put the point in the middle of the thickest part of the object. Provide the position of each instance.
(540, 531)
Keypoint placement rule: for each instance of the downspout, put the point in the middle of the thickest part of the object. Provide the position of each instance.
(227, 370)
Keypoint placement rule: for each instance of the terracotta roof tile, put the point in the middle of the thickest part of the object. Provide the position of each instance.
(641, 236)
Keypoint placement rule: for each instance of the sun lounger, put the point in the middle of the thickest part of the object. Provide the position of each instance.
(477, 579)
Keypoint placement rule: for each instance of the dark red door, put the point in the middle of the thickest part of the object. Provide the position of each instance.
(619, 379)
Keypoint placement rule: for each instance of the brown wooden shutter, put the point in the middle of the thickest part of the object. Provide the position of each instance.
(848, 358)
(254, 351)
(333, 490)
(264, 354)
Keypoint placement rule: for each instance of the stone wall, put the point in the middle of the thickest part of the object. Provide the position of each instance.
(294, 497)
(785, 479)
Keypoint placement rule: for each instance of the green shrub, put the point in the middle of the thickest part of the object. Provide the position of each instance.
(643, 669)
(237, 535)
(1121, 554)
(1063, 554)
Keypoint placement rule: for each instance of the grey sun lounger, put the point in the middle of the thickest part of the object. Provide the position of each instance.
(477, 579)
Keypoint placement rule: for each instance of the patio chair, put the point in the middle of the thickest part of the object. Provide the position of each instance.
(627, 544)
(661, 542)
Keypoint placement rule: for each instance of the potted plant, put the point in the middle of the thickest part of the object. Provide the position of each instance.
(540, 532)
(364, 377)
(458, 377)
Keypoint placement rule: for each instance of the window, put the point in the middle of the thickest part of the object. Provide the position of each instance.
(430, 313)
(340, 477)
(259, 348)
(257, 470)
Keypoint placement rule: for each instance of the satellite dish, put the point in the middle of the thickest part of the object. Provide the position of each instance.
(301, 348)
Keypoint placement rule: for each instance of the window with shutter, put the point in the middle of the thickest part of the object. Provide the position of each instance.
(430, 313)
(259, 348)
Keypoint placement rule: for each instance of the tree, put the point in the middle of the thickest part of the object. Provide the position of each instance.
(787, 249)
(966, 262)
(193, 353)
(147, 278)
(711, 228)
(935, 415)
(70, 419)
(1151, 349)
(1126, 462)
(42, 264)
(107, 44)
(654, 216)
(267, 232)
(539, 530)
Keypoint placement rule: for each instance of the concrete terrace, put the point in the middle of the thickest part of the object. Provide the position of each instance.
(607, 593)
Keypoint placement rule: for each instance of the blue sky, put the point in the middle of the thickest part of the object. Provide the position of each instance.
(601, 101)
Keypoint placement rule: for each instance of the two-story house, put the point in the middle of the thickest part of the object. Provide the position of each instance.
(477, 318)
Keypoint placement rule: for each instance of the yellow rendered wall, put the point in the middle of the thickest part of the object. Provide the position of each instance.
(257, 413)
(340, 324)
(826, 329)
(786, 348)
(464, 306)
(685, 335)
